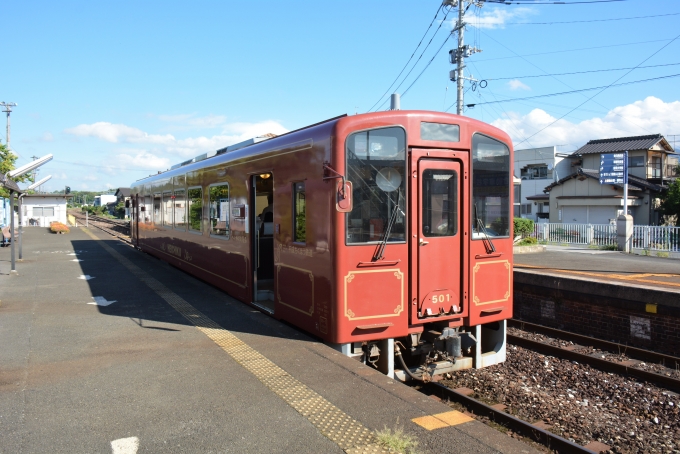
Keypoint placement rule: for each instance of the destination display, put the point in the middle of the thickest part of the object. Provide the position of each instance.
(614, 168)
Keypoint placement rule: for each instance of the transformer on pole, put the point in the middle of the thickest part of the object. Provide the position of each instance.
(8, 109)
(457, 56)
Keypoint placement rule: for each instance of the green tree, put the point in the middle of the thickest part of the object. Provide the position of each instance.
(7, 163)
(670, 204)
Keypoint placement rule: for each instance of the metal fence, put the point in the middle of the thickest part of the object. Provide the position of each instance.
(644, 237)
(656, 238)
(587, 234)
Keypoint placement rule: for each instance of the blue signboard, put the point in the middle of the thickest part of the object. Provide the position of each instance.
(614, 168)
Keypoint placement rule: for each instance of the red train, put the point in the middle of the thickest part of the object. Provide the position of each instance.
(388, 235)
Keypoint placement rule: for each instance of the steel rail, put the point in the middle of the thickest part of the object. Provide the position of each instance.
(95, 220)
(669, 361)
(598, 363)
(539, 435)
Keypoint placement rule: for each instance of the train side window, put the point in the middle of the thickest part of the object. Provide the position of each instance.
(376, 166)
(180, 209)
(300, 208)
(167, 208)
(219, 210)
(157, 209)
(491, 180)
(195, 203)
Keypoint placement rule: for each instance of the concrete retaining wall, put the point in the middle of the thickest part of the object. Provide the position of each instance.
(633, 315)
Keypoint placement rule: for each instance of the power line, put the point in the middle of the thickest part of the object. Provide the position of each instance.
(579, 90)
(580, 72)
(504, 2)
(579, 21)
(410, 58)
(575, 108)
(427, 66)
(576, 50)
(421, 54)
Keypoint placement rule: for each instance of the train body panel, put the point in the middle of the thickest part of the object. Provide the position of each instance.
(361, 229)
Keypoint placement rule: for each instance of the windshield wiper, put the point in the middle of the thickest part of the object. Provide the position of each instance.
(488, 244)
(380, 251)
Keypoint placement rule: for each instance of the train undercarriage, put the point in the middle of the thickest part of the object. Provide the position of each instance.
(435, 351)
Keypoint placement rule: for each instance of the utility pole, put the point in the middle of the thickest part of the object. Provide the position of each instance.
(457, 56)
(8, 109)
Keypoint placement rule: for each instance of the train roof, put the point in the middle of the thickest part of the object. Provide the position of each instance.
(254, 146)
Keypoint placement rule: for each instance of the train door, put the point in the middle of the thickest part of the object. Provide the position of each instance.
(262, 240)
(439, 235)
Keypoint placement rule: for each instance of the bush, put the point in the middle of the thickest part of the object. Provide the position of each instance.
(524, 227)
(528, 241)
(58, 227)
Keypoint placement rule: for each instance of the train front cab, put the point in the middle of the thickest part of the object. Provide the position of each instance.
(454, 256)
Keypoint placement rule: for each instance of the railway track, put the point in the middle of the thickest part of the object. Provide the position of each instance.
(603, 355)
(517, 425)
(117, 227)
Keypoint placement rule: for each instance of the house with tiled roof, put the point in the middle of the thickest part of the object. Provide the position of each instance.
(580, 198)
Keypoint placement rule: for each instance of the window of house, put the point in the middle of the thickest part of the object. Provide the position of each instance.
(167, 208)
(636, 161)
(179, 209)
(219, 210)
(195, 202)
(526, 208)
(300, 218)
(534, 172)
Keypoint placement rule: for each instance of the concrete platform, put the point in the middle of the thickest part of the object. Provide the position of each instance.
(606, 266)
(105, 349)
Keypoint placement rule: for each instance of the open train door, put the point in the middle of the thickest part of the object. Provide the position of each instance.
(438, 237)
(262, 240)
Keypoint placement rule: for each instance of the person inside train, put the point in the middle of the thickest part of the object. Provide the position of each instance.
(270, 206)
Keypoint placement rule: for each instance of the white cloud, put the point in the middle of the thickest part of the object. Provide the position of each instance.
(115, 133)
(162, 146)
(516, 84)
(648, 116)
(190, 120)
(497, 17)
(47, 137)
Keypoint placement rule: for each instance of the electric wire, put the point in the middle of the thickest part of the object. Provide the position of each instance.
(574, 50)
(579, 90)
(427, 66)
(565, 84)
(605, 88)
(581, 21)
(410, 58)
(504, 2)
(579, 72)
(421, 54)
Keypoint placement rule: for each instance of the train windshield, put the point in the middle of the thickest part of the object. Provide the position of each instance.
(490, 188)
(376, 166)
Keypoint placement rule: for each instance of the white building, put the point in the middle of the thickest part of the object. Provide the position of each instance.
(104, 199)
(41, 209)
(537, 168)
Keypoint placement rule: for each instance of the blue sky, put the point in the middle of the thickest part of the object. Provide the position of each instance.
(118, 90)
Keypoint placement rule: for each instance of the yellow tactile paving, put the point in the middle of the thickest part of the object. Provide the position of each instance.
(624, 277)
(450, 418)
(453, 418)
(350, 435)
(430, 422)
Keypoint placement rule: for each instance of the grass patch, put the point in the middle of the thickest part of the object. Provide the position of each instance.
(663, 255)
(397, 441)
